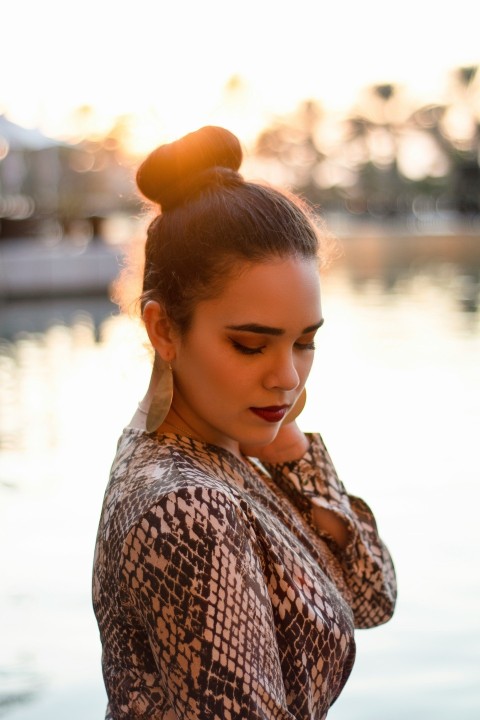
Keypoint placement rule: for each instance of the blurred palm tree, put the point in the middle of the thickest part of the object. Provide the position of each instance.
(374, 133)
(293, 141)
(387, 157)
(455, 128)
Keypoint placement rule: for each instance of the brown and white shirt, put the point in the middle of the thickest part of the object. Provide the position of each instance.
(216, 596)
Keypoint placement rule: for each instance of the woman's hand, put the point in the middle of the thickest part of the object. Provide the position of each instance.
(290, 444)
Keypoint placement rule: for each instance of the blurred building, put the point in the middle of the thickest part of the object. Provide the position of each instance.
(30, 175)
(46, 186)
(54, 199)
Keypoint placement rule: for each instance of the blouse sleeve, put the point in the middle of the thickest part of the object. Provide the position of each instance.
(366, 562)
(195, 581)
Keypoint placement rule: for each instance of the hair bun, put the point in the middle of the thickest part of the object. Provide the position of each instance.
(165, 176)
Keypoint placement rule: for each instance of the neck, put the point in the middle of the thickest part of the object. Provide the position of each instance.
(175, 421)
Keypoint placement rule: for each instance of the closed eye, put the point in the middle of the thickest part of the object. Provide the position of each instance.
(305, 346)
(246, 349)
(306, 341)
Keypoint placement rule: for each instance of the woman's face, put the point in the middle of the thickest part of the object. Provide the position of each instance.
(248, 352)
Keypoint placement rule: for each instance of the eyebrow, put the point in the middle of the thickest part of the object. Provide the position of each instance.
(267, 330)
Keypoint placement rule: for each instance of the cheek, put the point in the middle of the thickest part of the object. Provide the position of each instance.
(227, 376)
(305, 365)
(206, 364)
(230, 373)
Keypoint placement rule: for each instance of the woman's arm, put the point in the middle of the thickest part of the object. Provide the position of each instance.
(346, 522)
(291, 444)
(195, 580)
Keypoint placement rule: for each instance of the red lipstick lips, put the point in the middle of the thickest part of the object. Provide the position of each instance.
(272, 414)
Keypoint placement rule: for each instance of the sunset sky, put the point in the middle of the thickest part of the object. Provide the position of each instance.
(170, 63)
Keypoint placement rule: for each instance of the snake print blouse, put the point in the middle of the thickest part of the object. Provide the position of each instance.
(215, 595)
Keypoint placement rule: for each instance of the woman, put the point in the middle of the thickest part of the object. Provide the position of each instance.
(231, 566)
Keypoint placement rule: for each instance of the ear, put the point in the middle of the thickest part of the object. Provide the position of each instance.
(160, 330)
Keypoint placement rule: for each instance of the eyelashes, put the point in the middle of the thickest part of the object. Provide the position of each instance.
(247, 350)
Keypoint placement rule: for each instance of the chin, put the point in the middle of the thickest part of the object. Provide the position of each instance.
(261, 437)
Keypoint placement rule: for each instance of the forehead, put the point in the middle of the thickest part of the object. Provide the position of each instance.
(278, 293)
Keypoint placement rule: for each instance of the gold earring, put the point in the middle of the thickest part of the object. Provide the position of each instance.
(162, 399)
(296, 409)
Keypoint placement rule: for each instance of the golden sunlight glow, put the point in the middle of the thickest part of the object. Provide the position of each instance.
(176, 66)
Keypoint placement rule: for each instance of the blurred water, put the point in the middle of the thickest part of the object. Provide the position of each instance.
(395, 392)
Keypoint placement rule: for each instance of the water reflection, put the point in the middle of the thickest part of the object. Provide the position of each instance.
(41, 315)
(395, 390)
(59, 412)
(395, 260)
(18, 687)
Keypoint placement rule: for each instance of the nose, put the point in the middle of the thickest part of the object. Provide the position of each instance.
(282, 374)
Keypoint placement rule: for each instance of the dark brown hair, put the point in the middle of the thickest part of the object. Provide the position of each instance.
(210, 220)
